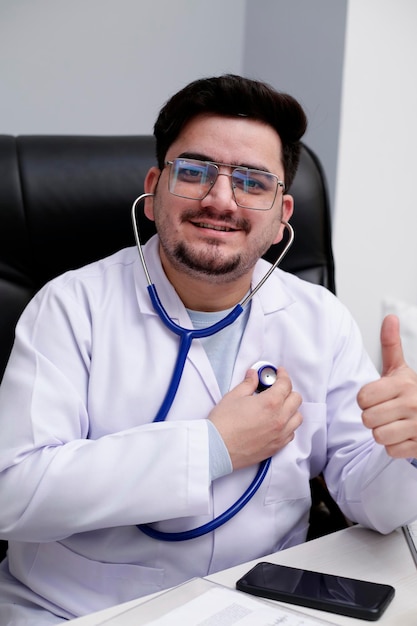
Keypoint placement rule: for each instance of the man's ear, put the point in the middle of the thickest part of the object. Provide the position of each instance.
(150, 183)
(287, 211)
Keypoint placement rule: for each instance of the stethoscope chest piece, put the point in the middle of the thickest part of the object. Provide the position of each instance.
(267, 375)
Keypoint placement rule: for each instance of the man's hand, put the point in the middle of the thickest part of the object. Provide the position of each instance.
(255, 427)
(389, 404)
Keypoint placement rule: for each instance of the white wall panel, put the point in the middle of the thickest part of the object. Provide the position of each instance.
(376, 208)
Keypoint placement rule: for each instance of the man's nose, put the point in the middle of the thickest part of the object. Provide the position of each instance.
(221, 194)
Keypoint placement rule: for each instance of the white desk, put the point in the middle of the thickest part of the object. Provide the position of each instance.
(355, 552)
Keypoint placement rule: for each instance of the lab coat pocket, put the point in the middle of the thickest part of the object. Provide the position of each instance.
(301, 459)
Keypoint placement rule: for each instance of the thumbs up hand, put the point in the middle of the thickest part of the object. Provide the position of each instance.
(389, 405)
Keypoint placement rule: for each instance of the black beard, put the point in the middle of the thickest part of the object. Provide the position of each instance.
(207, 265)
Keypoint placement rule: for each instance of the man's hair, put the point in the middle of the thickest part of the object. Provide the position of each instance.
(235, 96)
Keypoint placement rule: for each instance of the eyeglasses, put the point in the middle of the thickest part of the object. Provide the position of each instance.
(252, 189)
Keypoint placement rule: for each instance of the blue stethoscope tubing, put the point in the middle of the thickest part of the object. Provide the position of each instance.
(186, 336)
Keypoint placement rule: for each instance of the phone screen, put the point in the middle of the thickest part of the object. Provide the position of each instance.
(337, 594)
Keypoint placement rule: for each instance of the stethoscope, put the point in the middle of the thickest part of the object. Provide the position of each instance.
(266, 374)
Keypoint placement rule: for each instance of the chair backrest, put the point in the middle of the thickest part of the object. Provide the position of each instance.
(66, 200)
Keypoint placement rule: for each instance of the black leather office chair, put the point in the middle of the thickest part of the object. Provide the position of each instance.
(66, 200)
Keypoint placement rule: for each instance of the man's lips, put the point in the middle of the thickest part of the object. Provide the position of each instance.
(219, 227)
(209, 220)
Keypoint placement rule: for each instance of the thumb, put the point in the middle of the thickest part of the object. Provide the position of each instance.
(248, 385)
(250, 381)
(391, 347)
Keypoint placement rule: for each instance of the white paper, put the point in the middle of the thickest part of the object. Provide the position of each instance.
(222, 607)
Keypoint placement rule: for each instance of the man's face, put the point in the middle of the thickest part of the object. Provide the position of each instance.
(214, 239)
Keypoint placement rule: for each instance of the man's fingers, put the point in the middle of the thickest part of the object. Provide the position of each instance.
(391, 347)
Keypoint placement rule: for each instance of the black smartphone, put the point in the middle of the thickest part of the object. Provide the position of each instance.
(336, 594)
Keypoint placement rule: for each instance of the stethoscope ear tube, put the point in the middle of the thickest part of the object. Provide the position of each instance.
(186, 336)
(253, 290)
(136, 234)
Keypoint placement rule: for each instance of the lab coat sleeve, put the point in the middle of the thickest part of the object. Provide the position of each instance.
(372, 488)
(54, 480)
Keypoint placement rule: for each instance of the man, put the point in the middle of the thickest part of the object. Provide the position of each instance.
(82, 456)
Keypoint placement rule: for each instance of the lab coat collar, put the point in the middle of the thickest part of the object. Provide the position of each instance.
(274, 295)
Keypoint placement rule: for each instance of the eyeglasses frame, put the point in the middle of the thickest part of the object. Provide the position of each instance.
(217, 165)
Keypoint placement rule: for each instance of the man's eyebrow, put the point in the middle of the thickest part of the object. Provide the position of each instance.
(204, 157)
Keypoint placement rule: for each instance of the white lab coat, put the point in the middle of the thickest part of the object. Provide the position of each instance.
(81, 462)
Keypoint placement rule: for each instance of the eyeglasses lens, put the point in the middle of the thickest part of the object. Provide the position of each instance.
(254, 189)
(191, 179)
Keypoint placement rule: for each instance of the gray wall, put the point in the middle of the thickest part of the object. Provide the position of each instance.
(298, 46)
(106, 66)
